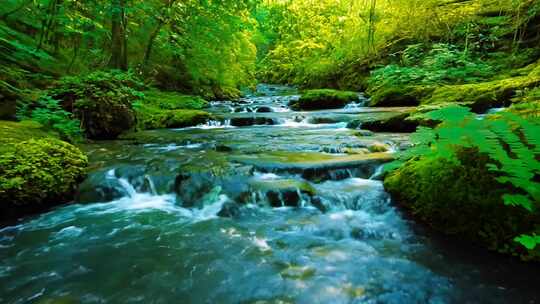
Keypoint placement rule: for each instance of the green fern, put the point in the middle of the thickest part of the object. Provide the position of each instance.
(511, 142)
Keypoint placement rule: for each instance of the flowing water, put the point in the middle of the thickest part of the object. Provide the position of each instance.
(263, 205)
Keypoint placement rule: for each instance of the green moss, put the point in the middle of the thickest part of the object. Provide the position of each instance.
(461, 197)
(13, 132)
(38, 172)
(159, 110)
(323, 99)
(482, 96)
(400, 123)
(173, 100)
(528, 104)
(396, 96)
(151, 117)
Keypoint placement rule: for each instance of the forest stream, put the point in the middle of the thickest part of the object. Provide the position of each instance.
(263, 205)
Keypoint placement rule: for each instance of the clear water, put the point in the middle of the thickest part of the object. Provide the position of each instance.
(258, 214)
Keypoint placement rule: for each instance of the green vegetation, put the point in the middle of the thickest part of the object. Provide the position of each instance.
(158, 110)
(482, 167)
(36, 169)
(323, 99)
(81, 70)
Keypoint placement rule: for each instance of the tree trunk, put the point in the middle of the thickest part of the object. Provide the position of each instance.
(150, 44)
(162, 20)
(118, 33)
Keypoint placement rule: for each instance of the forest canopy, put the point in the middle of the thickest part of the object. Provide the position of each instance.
(215, 48)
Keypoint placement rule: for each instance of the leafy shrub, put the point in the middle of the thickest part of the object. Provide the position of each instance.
(442, 64)
(101, 100)
(507, 152)
(38, 171)
(49, 113)
(173, 100)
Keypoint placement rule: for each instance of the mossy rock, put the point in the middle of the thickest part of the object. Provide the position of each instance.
(399, 96)
(151, 117)
(312, 100)
(462, 197)
(480, 97)
(38, 173)
(102, 101)
(399, 123)
(105, 118)
(186, 118)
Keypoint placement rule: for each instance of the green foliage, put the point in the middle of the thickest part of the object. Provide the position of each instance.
(527, 104)
(151, 117)
(484, 95)
(102, 101)
(323, 99)
(510, 143)
(50, 114)
(173, 100)
(13, 132)
(39, 171)
(158, 110)
(443, 64)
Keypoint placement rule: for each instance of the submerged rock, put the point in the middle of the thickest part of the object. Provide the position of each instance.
(251, 121)
(264, 110)
(317, 166)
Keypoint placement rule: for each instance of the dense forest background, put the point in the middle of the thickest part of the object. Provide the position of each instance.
(94, 69)
(215, 48)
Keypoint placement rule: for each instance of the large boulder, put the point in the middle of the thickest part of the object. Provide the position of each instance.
(38, 172)
(312, 100)
(102, 101)
(105, 118)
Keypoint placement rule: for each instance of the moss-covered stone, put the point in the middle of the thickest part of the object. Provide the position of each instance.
(398, 96)
(151, 117)
(36, 170)
(160, 110)
(461, 197)
(323, 99)
(482, 96)
(102, 101)
(399, 123)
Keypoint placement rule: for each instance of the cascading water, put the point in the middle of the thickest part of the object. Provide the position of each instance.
(257, 214)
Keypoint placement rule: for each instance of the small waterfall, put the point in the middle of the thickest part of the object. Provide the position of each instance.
(151, 184)
(378, 173)
(126, 187)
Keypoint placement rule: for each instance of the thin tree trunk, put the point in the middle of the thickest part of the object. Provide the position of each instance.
(75, 53)
(162, 20)
(150, 45)
(118, 33)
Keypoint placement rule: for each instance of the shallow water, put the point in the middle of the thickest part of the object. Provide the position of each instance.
(281, 213)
